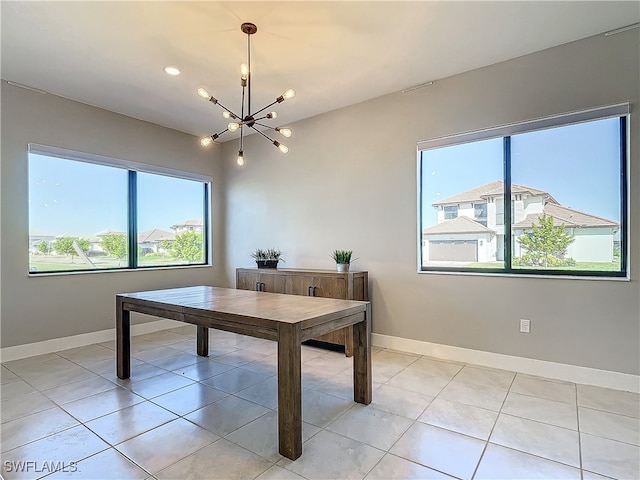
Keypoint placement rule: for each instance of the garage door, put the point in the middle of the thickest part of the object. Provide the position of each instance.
(454, 250)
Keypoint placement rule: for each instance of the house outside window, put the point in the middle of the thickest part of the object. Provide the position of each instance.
(93, 213)
(480, 213)
(450, 211)
(565, 180)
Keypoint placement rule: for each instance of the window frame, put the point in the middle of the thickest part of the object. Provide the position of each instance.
(448, 214)
(132, 169)
(620, 111)
(483, 209)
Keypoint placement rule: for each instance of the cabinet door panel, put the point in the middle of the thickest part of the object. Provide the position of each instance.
(360, 289)
(246, 280)
(272, 282)
(330, 287)
(298, 284)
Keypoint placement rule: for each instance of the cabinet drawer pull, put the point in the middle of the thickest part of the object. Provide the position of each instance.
(310, 291)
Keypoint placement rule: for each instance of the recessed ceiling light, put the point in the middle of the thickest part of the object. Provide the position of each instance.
(171, 70)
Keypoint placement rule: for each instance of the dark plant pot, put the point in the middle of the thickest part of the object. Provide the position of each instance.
(267, 263)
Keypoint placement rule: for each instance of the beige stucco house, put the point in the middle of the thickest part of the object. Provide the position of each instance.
(470, 226)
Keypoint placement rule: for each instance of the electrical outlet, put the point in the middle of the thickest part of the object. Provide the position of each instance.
(525, 325)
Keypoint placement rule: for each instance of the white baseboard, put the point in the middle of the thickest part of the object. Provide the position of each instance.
(558, 371)
(57, 344)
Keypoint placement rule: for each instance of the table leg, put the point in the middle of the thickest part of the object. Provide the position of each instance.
(362, 359)
(202, 341)
(123, 340)
(289, 391)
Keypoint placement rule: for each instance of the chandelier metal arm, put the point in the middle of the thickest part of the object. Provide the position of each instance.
(277, 144)
(265, 136)
(265, 125)
(263, 109)
(216, 135)
(228, 110)
(242, 108)
(262, 118)
(248, 75)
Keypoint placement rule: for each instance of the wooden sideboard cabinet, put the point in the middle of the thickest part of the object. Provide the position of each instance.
(315, 283)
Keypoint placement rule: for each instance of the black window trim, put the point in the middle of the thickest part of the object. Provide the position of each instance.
(132, 169)
(620, 111)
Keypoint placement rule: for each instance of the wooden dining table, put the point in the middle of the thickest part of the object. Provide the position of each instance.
(286, 319)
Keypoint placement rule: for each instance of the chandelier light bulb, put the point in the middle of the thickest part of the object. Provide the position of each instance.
(289, 94)
(226, 114)
(281, 147)
(204, 94)
(272, 115)
(285, 132)
(244, 71)
(233, 126)
(240, 159)
(206, 141)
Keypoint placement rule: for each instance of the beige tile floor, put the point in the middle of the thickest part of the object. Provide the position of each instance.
(181, 416)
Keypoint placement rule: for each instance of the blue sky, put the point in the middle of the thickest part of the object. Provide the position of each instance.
(76, 198)
(577, 164)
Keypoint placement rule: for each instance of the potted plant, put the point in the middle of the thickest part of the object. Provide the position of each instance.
(342, 259)
(267, 258)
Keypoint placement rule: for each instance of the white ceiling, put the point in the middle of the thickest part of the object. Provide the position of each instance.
(112, 54)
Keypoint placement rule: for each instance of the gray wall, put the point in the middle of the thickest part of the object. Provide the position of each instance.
(42, 308)
(349, 182)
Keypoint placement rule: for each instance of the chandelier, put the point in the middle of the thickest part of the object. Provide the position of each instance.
(247, 118)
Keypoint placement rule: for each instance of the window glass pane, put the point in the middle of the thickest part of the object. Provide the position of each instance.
(462, 196)
(73, 208)
(567, 198)
(170, 221)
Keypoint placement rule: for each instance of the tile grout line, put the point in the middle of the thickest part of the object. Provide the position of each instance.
(579, 434)
(486, 443)
(414, 421)
(386, 452)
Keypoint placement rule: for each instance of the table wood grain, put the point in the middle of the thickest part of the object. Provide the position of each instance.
(287, 319)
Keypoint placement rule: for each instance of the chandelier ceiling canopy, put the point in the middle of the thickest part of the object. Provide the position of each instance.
(247, 118)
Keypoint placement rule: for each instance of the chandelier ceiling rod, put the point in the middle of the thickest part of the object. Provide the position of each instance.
(249, 120)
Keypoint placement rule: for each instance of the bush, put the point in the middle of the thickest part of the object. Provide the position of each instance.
(537, 261)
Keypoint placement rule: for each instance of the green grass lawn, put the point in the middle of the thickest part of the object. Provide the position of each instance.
(53, 263)
(580, 266)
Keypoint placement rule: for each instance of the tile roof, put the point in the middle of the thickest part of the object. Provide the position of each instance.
(566, 216)
(105, 233)
(194, 222)
(457, 225)
(491, 189)
(155, 235)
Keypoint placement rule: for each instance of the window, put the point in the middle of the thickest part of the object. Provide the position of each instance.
(564, 179)
(480, 213)
(450, 211)
(89, 213)
(170, 227)
(450, 176)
